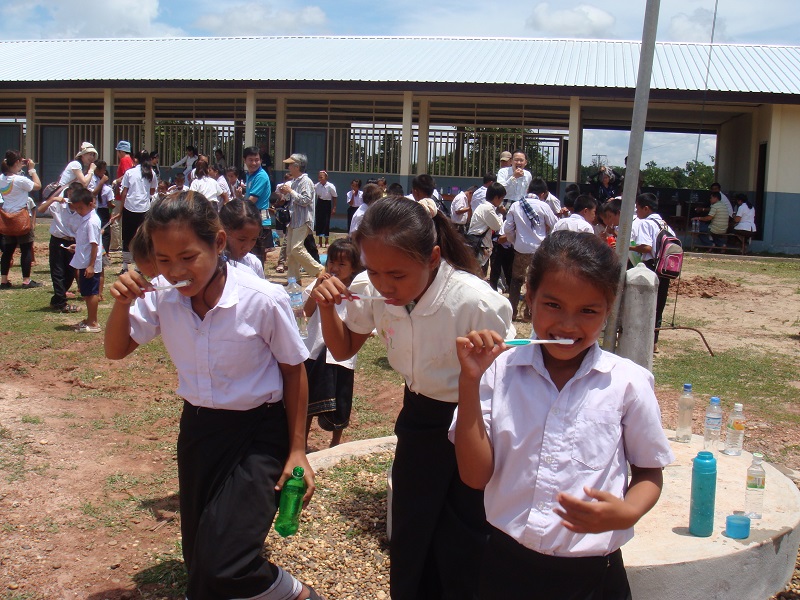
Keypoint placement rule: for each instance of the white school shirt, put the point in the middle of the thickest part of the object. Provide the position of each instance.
(459, 202)
(516, 187)
(484, 221)
(88, 233)
(252, 261)
(358, 216)
(229, 359)
(553, 202)
(14, 190)
(421, 345)
(727, 203)
(545, 442)
(315, 342)
(105, 196)
(325, 192)
(478, 198)
(524, 235)
(748, 221)
(574, 222)
(140, 189)
(358, 201)
(208, 186)
(65, 221)
(645, 232)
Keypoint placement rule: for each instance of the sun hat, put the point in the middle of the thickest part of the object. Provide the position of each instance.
(505, 155)
(124, 146)
(86, 148)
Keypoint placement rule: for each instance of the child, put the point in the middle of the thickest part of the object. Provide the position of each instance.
(239, 358)
(242, 223)
(370, 194)
(425, 275)
(330, 382)
(143, 253)
(62, 237)
(549, 431)
(88, 259)
(582, 216)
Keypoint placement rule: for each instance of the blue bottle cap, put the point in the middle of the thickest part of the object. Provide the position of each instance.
(737, 526)
(705, 462)
(714, 400)
(687, 387)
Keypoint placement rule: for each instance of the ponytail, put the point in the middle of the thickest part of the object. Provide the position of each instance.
(200, 168)
(144, 162)
(12, 156)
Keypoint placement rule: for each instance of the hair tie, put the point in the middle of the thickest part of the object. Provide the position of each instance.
(430, 206)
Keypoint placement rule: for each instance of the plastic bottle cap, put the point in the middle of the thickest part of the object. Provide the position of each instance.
(705, 462)
(298, 472)
(687, 387)
(714, 400)
(738, 406)
(737, 526)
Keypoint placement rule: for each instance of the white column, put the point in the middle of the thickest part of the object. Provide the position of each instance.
(280, 132)
(250, 119)
(30, 129)
(575, 140)
(408, 142)
(108, 126)
(149, 123)
(424, 126)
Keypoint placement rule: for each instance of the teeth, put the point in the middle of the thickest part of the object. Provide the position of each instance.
(561, 338)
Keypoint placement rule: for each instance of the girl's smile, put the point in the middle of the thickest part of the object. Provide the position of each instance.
(397, 276)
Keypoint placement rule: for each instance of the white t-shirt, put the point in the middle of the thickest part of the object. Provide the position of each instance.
(314, 342)
(232, 360)
(207, 186)
(68, 174)
(421, 345)
(139, 189)
(547, 441)
(574, 222)
(459, 202)
(748, 218)
(14, 190)
(88, 234)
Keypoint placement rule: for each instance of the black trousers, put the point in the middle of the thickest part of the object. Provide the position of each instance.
(351, 210)
(502, 259)
(661, 296)
(130, 224)
(439, 525)
(510, 570)
(322, 217)
(61, 274)
(105, 215)
(10, 244)
(228, 464)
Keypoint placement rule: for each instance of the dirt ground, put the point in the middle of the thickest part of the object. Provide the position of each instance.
(56, 542)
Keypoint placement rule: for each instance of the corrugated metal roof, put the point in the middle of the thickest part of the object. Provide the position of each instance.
(505, 61)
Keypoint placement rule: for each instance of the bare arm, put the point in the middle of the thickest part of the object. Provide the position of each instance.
(118, 342)
(341, 342)
(295, 399)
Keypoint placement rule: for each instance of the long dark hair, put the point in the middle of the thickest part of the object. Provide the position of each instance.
(238, 213)
(583, 254)
(737, 197)
(189, 208)
(12, 156)
(406, 225)
(144, 162)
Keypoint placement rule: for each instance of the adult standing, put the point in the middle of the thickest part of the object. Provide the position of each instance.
(515, 178)
(15, 188)
(138, 186)
(325, 208)
(354, 199)
(82, 168)
(301, 193)
(258, 190)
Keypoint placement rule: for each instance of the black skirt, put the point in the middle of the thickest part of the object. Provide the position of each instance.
(330, 392)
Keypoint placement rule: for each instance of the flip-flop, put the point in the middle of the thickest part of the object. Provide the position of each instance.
(67, 308)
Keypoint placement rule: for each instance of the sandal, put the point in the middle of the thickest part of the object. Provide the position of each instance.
(67, 308)
(280, 269)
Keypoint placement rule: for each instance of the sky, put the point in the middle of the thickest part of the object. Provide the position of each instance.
(777, 22)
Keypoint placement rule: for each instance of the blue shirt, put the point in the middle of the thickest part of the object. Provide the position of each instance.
(258, 185)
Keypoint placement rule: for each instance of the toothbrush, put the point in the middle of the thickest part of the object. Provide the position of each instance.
(527, 342)
(180, 284)
(356, 297)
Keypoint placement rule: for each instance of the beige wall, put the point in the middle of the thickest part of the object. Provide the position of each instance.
(783, 150)
(734, 166)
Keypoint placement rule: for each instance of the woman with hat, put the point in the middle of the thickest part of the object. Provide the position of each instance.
(74, 171)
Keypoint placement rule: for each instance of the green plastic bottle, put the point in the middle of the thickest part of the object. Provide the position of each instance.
(294, 489)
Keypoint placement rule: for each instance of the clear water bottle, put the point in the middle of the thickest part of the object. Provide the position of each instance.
(704, 491)
(734, 433)
(683, 433)
(294, 488)
(713, 425)
(298, 306)
(754, 493)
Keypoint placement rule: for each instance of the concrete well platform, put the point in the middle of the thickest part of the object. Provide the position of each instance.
(663, 559)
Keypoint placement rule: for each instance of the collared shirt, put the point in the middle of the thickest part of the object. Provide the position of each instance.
(547, 441)
(315, 342)
(258, 185)
(484, 221)
(325, 192)
(358, 216)
(645, 232)
(65, 222)
(105, 195)
(229, 359)
(719, 221)
(524, 235)
(139, 189)
(747, 218)
(358, 200)
(516, 187)
(302, 205)
(459, 202)
(574, 222)
(87, 235)
(553, 202)
(254, 263)
(727, 203)
(421, 345)
(478, 198)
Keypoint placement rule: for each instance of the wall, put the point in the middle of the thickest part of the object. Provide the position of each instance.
(735, 169)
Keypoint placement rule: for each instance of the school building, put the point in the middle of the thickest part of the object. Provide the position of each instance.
(397, 106)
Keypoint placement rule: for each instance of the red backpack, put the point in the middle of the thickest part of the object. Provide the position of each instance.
(668, 253)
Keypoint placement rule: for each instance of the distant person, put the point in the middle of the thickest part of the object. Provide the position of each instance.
(354, 200)
(583, 216)
(258, 191)
(207, 185)
(138, 186)
(82, 168)
(460, 211)
(716, 187)
(187, 162)
(745, 219)
(538, 189)
(15, 188)
(479, 195)
(485, 221)
(325, 208)
(515, 178)
(714, 225)
(301, 195)
(505, 159)
(88, 258)
(63, 225)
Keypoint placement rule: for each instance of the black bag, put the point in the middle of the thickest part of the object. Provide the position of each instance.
(282, 215)
(475, 242)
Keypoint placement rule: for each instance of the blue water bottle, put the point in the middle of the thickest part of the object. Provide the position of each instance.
(704, 489)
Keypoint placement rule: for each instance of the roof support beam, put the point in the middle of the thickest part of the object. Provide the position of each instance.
(250, 118)
(408, 132)
(149, 122)
(424, 127)
(575, 140)
(30, 128)
(280, 131)
(108, 126)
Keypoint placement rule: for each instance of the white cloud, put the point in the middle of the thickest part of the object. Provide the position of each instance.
(582, 21)
(696, 27)
(260, 18)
